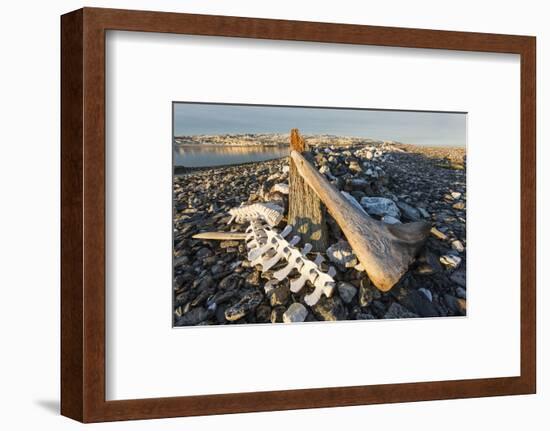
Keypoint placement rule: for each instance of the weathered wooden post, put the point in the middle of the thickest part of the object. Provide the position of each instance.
(305, 210)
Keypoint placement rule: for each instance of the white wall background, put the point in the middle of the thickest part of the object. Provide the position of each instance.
(29, 216)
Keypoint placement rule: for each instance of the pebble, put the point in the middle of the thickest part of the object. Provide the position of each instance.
(457, 245)
(279, 296)
(408, 211)
(450, 260)
(246, 304)
(438, 234)
(346, 291)
(380, 206)
(203, 253)
(397, 311)
(192, 317)
(341, 253)
(426, 293)
(295, 313)
(390, 220)
(330, 309)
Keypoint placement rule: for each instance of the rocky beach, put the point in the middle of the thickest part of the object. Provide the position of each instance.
(214, 282)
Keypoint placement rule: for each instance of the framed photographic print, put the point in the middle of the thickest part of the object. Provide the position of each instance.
(266, 215)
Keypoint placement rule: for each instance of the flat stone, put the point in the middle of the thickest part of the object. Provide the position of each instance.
(459, 277)
(415, 302)
(277, 314)
(230, 282)
(408, 211)
(456, 305)
(380, 206)
(438, 234)
(346, 291)
(423, 212)
(342, 254)
(279, 295)
(263, 314)
(228, 244)
(459, 206)
(330, 309)
(457, 245)
(390, 220)
(450, 260)
(192, 317)
(456, 195)
(427, 293)
(247, 303)
(203, 253)
(397, 311)
(295, 313)
(461, 292)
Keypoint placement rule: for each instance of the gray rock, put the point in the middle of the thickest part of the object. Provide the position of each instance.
(365, 316)
(427, 293)
(230, 282)
(247, 303)
(390, 220)
(228, 244)
(423, 212)
(456, 305)
(461, 292)
(295, 313)
(330, 309)
(408, 211)
(346, 291)
(277, 314)
(438, 234)
(192, 317)
(380, 206)
(397, 311)
(459, 277)
(367, 293)
(279, 295)
(263, 314)
(450, 261)
(457, 245)
(354, 166)
(204, 252)
(341, 254)
(415, 301)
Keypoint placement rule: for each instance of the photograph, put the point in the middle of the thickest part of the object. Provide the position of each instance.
(296, 214)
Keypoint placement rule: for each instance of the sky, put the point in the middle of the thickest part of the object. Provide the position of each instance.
(411, 127)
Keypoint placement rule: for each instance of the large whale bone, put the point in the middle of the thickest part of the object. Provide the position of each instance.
(271, 213)
(385, 251)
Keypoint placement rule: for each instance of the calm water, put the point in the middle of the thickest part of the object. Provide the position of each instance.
(193, 156)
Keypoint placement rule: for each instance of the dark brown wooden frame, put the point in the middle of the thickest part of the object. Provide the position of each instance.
(83, 214)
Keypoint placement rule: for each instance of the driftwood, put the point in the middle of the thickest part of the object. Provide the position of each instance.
(385, 251)
(221, 236)
(305, 210)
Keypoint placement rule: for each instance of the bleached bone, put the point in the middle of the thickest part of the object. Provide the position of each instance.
(271, 213)
(280, 188)
(267, 248)
(222, 236)
(384, 250)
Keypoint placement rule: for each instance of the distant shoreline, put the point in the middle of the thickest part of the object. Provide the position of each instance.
(182, 170)
(231, 145)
